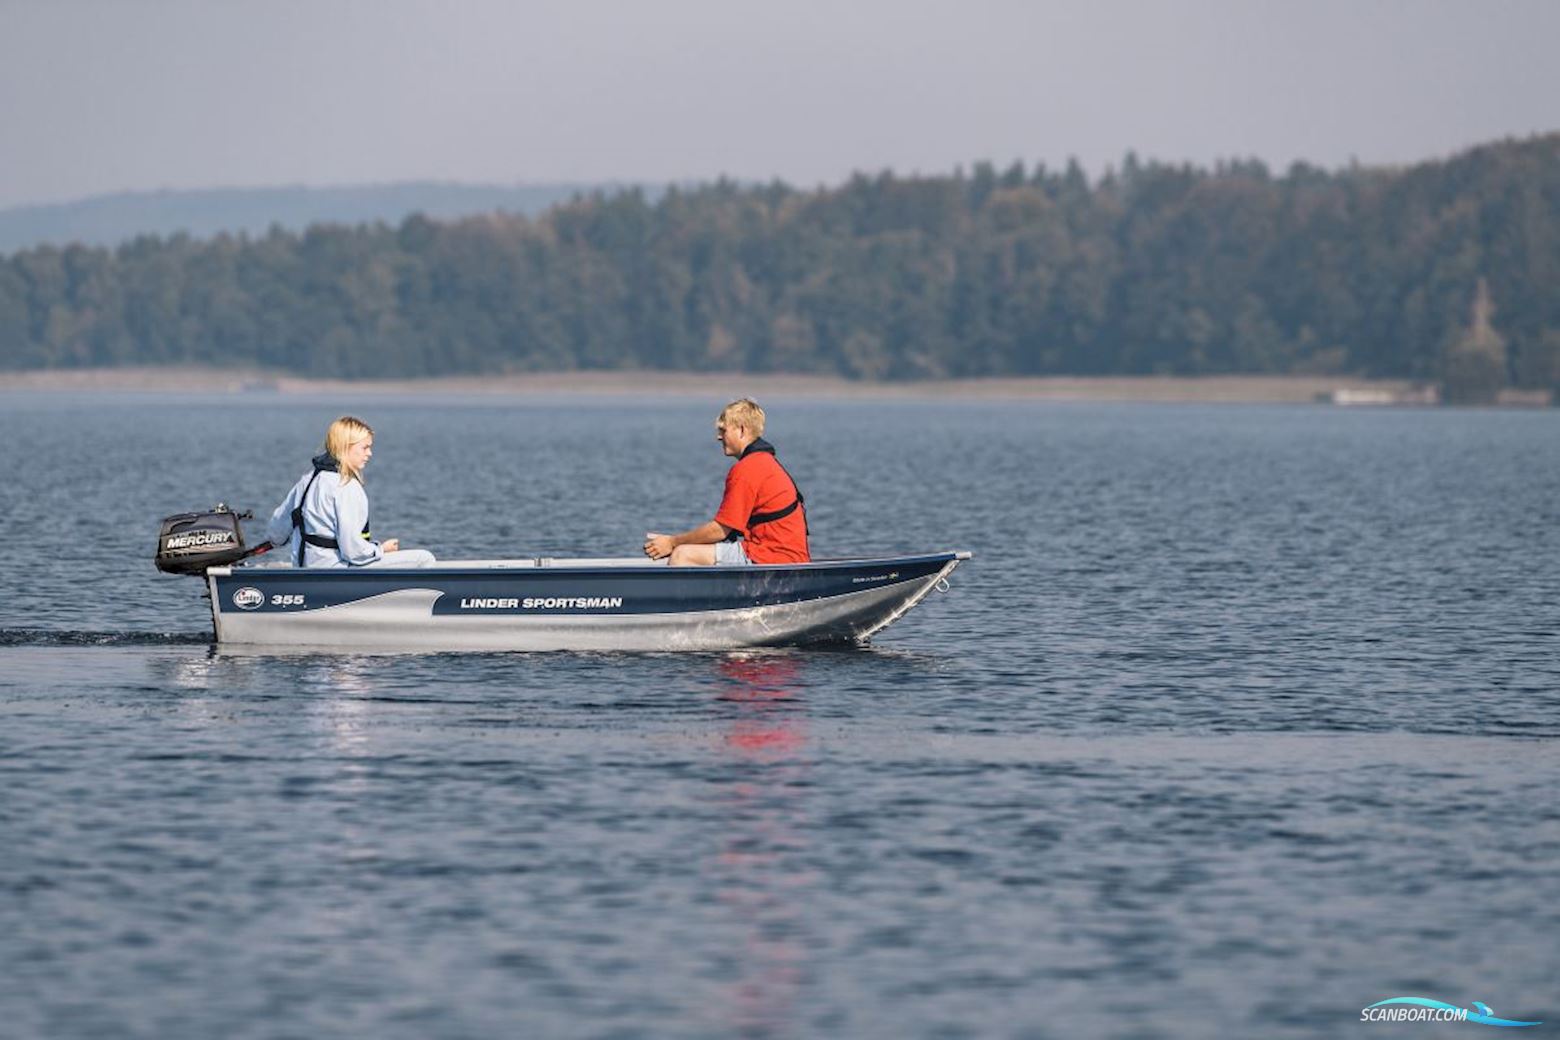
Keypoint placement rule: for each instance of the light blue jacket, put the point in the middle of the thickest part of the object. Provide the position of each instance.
(333, 508)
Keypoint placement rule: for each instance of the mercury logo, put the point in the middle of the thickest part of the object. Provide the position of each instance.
(198, 539)
(248, 598)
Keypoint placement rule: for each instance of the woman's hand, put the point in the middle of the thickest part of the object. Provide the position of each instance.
(391, 545)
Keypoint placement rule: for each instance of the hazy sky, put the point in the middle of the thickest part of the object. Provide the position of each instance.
(143, 94)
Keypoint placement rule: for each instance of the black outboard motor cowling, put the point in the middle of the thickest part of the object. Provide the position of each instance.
(191, 542)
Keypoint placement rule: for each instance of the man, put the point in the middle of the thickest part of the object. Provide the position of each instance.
(762, 505)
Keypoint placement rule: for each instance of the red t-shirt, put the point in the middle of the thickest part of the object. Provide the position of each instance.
(757, 484)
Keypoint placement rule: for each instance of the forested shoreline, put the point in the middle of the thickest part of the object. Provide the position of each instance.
(1149, 269)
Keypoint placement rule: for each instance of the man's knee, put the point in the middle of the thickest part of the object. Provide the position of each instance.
(692, 556)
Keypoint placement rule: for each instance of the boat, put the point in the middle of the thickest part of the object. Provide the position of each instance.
(539, 603)
(570, 604)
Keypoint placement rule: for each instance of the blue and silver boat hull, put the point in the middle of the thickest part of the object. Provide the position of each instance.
(569, 604)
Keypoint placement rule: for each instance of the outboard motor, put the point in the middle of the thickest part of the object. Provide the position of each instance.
(191, 542)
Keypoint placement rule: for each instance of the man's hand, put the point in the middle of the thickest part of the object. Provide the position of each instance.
(391, 545)
(658, 546)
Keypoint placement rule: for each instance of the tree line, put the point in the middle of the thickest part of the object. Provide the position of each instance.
(1151, 268)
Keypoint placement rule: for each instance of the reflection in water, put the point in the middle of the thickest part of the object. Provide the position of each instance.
(331, 759)
(337, 688)
(341, 686)
(766, 686)
(757, 873)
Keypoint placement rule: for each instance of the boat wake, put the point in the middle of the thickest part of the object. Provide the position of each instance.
(50, 637)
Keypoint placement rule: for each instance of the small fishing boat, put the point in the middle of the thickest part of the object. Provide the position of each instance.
(555, 604)
(543, 603)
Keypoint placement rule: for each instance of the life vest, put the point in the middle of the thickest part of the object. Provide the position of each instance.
(323, 463)
(799, 502)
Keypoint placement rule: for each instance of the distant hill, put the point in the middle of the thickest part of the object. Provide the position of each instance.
(108, 220)
(1440, 271)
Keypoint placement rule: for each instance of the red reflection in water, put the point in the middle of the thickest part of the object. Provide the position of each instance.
(759, 876)
(770, 728)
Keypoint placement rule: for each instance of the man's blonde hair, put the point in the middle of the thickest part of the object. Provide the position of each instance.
(744, 412)
(343, 433)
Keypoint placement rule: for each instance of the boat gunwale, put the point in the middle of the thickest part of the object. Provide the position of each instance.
(535, 565)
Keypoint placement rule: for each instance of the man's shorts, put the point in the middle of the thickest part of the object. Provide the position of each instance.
(731, 554)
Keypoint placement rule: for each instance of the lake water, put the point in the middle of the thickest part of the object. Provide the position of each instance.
(1241, 719)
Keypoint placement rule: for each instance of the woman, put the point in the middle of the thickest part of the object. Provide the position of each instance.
(324, 519)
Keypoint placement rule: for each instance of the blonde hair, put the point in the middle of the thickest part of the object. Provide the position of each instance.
(343, 433)
(744, 412)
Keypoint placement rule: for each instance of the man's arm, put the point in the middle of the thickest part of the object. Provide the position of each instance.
(658, 546)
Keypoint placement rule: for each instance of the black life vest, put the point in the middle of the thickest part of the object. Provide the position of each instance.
(800, 502)
(323, 463)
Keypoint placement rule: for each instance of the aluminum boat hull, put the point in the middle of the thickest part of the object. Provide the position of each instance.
(569, 604)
